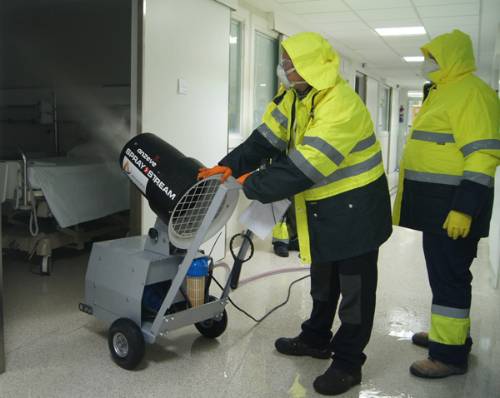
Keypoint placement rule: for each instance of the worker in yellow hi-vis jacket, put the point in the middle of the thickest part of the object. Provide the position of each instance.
(446, 191)
(329, 160)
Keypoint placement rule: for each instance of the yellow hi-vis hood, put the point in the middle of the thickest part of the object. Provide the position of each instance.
(314, 59)
(453, 52)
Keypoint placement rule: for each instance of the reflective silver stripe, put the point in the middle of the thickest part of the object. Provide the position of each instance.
(450, 312)
(325, 148)
(447, 179)
(271, 137)
(432, 177)
(280, 118)
(303, 165)
(281, 240)
(438, 138)
(479, 178)
(478, 145)
(352, 171)
(364, 144)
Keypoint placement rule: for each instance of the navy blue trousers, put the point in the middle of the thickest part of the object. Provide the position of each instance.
(448, 266)
(356, 279)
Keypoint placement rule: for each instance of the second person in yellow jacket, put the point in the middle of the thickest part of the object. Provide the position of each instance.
(446, 191)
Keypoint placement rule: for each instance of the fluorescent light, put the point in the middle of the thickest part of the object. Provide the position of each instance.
(403, 31)
(415, 94)
(233, 39)
(418, 58)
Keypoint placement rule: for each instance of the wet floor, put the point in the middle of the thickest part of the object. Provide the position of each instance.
(53, 350)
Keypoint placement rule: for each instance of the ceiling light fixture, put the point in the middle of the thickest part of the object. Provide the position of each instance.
(402, 31)
(418, 58)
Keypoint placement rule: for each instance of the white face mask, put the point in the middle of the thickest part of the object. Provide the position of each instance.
(283, 77)
(428, 66)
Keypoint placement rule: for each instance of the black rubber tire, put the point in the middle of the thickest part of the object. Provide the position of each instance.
(212, 328)
(134, 340)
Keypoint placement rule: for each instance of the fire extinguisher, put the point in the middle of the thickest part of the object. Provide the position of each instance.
(401, 114)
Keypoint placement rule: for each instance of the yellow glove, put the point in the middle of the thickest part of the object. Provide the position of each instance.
(457, 224)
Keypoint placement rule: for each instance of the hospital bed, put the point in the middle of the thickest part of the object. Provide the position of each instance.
(57, 202)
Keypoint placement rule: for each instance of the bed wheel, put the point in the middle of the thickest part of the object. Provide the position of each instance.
(126, 343)
(46, 265)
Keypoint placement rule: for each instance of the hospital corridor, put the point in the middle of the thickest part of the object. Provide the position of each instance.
(250, 198)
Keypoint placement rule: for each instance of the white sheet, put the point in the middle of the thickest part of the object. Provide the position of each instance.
(80, 190)
(261, 218)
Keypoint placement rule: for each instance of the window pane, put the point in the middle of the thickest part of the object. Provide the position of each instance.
(235, 53)
(265, 82)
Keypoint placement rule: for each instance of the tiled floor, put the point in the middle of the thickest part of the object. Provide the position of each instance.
(53, 350)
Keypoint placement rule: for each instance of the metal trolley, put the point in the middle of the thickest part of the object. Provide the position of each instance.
(120, 273)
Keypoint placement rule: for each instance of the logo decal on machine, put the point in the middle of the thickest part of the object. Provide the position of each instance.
(140, 172)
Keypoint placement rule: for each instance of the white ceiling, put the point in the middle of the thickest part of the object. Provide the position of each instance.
(350, 24)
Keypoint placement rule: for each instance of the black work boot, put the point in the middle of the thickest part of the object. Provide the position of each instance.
(294, 244)
(297, 347)
(280, 249)
(336, 381)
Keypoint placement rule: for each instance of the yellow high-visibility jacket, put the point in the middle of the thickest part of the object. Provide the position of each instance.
(327, 156)
(453, 149)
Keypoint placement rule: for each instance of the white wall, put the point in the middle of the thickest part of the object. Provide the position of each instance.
(494, 239)
(176, 46)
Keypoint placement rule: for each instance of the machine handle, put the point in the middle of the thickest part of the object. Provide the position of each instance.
(240, 258)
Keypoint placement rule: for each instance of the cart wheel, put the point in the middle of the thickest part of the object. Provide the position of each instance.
(126, 343)
(212, 328)
(46, 265)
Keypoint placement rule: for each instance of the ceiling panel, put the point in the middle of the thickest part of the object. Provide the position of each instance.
(337, 20)
(452, 21)
(317, 6)
(408, 51)
(331, 17)
(395, 23)
(348, 27)
(380, 55)
(374, 4)
(439, 2)
(387, 14)
(471, 30)
(294, 1)
(356, 34)
(406, 41)
(363, 43)
(449, 10)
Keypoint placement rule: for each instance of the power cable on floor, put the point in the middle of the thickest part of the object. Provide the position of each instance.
(258, 320)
